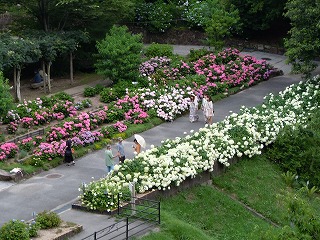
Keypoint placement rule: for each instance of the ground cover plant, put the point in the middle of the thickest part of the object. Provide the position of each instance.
(243, 134)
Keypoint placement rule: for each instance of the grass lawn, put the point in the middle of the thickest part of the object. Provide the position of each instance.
(214, 212)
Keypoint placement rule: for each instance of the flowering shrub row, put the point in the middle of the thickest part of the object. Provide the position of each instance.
(246, 133)
(37, 112)
(166, 101)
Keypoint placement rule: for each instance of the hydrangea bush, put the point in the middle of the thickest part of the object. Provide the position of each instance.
(245, 133)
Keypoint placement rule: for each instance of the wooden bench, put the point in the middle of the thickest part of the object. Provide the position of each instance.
(37, 85)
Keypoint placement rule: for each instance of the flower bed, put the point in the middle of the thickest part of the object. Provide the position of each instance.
(246, 133)
(164, 101)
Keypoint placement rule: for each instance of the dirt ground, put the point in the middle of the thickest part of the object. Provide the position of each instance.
(57, 85)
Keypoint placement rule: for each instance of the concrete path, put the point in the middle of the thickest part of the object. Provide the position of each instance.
(57, 188)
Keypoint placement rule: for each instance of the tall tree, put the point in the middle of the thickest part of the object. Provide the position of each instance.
(303, 44)
(18, 52)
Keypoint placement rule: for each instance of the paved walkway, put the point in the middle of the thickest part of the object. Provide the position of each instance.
(57, 188)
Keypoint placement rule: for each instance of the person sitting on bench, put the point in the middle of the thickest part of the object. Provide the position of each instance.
(37, 77)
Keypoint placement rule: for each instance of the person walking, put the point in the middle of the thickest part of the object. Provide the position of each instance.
(136, 147)
(109, 159)
(68, 153)
(203, 104)
(208, 110)
(193, 116)
(121, 154)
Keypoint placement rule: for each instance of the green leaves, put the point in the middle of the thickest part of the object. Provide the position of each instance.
(119, 55)
(303, 45)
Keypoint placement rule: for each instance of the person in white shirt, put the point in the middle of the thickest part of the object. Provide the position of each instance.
(193, 116)
(208, 110)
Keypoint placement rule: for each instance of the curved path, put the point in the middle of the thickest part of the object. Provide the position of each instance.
(57, 188)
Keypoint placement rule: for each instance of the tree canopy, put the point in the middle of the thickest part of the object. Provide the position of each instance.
(303, 43)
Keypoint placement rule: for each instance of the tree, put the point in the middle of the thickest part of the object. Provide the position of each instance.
(19, 51)
(6, 100)
(257, 15)
(303, 44)
(119, 55)
(64, 15)
(53, 44)
(218, 18)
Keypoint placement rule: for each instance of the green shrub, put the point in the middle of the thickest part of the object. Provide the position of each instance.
(119, 55)
(108, 131)
(89, 92)
(48, 220)
(107, 95)
(196, 54)
(34, 161)
(296, 150)
(33, 229)
(6, 100)
(13, 230)
(99, 88)
(159, 50)
(63, 96)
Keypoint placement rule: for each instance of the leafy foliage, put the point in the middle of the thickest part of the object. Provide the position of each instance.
(159, 50)
(304, 224)
(258, 15)
(296, 150)
(13, 230)
(155, 16)
(217, 18)
(303, 45)
(6, 100)
(48, 219)
(119, 55)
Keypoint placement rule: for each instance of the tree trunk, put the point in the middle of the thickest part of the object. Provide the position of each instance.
(44, 79)
(18, 93)
(15, 81)
(48, 77)
(71, 68)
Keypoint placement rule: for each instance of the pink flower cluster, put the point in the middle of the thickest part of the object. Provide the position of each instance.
(228, 67)
(8, 150)
(120, 126)
(133, 111)
(27, 122)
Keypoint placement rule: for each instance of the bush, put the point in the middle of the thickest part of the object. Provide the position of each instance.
(6, 100)
(196, 54)
(90, 92)
(119, 55)
(155, 17)
(296, 151)
(48, 220)
(159, 50)
(63, 96)
(13, 230)
(107, 95)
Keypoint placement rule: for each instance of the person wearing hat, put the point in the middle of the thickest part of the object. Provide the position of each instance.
(120, 149)
(109, 159)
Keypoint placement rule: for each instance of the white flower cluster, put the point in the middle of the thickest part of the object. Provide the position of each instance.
(168, 102)
(245, 133)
